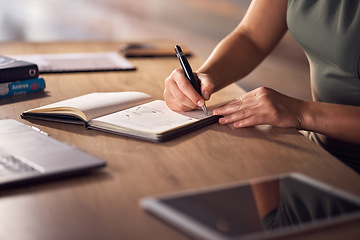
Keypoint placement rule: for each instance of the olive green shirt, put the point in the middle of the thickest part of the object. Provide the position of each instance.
(329, 33)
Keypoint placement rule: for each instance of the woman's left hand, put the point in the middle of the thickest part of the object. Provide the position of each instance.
(262, 106)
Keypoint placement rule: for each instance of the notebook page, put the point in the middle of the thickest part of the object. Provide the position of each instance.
(154, 117)
(98, 104)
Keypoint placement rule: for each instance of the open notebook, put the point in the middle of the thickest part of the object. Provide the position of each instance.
(126, 113)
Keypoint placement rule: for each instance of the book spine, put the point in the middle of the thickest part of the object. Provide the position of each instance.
(18, 73)
(22, 87)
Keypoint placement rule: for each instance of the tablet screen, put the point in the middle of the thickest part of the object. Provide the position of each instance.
(284, 203)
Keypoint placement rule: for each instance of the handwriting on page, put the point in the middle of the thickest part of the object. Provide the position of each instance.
(153, 116)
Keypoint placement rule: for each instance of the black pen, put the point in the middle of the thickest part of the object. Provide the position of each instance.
(188, 72)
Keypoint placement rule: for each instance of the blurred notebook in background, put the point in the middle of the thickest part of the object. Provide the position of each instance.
(78, 62)
(143, 50)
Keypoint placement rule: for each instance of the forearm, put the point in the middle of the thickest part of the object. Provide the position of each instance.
(232, 59)
(340, 122)
(241, 51)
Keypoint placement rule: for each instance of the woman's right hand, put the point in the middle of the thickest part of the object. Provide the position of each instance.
(181, 96)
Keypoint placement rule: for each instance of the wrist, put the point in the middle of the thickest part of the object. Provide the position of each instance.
(307, 115)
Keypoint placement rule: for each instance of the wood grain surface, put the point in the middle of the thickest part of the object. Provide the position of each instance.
(104, 204)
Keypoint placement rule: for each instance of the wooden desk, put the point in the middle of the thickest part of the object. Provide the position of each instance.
(104, 205)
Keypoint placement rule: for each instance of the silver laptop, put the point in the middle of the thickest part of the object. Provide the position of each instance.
(27, 154)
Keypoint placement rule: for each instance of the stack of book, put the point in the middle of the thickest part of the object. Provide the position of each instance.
(19, 77)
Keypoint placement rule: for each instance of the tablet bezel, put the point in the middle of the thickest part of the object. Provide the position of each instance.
(192, 227)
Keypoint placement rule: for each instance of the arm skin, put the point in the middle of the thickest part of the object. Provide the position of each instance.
(238, 54)
(266, 106)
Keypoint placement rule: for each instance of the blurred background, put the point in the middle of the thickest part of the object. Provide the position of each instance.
(199, 25)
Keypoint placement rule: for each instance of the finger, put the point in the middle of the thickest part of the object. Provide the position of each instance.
(228, 109)
(175, 105)
(251, 121)
(206, 85)
(186, 89)
(173, 93)
(248, 113)
(235, 116)
(236, 105)
(177, 101)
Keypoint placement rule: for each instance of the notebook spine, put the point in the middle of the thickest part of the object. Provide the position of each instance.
(22, 87)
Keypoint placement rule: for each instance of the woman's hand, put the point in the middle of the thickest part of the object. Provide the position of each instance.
(181, 96)
(262, 106)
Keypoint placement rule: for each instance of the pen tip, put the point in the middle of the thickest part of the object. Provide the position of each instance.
(205, 110)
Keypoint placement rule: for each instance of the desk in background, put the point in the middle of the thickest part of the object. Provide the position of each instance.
(104, 205)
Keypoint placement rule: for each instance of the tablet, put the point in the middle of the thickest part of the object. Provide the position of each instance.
(257, 209)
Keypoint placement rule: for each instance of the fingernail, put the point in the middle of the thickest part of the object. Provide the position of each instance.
(200, 103)
(222, 121)
(206, 95)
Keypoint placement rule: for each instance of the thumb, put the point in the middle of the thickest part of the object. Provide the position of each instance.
(206, 85)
